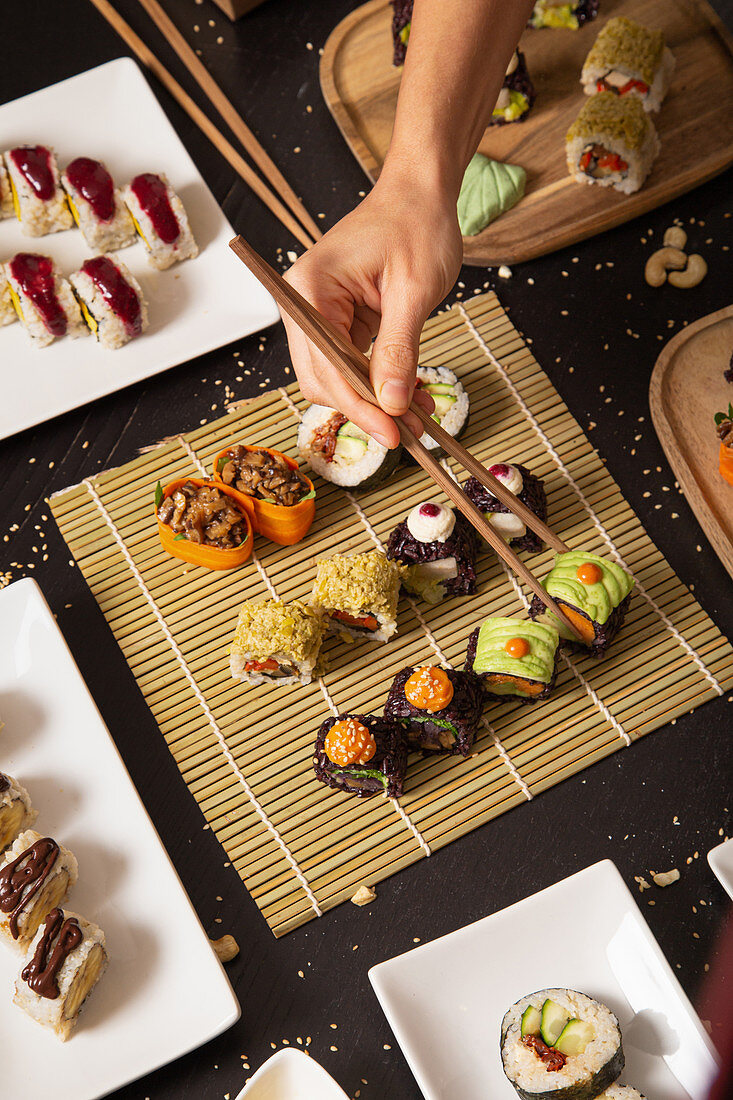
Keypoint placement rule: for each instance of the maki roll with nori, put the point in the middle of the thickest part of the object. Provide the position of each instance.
(514, 658)
(362, 754)
(440, 708)
(592, 592)
(276, 643)
(451, 405)
(97, 205)
(628, 59)
(557, 1044)
(524, 485)
(560, 13)
(517, 93)
(38, 197)
(358, 595)
(438, 548)
(341, 452)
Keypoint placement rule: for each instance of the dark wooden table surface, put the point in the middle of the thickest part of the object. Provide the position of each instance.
(597, 332)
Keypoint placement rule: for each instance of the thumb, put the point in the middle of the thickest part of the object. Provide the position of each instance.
(394, 359)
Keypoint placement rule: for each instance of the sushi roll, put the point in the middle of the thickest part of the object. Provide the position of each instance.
(16, 812)
(514, 658)
(36, 874)
(339, 451)
(440, 708)
(362, 754)
(62, 965)
(621, 1092)
(559, 13)
(160, 219)
(438, 548)
(401, 24)
(39, 199)
(451, 405)
(97, 206)
(531, 492)
(6, 195)
(276, 643)
(517, 93)
(358, 595)
(592, 592)
(7, 309)
(111, 301)
(43, 299)
(557, 1044)
(628, 59)
(612, 143)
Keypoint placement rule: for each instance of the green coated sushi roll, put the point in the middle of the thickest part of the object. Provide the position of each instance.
(612, 143)
(358, 595)
(339, 451)
(628, 59)
(514, 658)
(277, 643)
(557, 1044)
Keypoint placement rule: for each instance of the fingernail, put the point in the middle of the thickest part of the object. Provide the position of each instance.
(381, 439)
(394, 394)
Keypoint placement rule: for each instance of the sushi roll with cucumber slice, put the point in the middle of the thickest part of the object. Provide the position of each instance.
(557, 1044)
(514, 658)
(531, 492)
(341, 452)
(440, 708)
(358, 595)
(362, 754)
(438, 548)
(593, 593)
(451, 405)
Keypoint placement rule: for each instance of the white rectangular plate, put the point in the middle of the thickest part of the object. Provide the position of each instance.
(445, 1000)
(720, 859)
(110, 113)
(165, 991)
(291, 1075)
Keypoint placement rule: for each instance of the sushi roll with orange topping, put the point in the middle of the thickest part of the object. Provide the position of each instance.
(514, 658)
(440, 708)
(362, 754)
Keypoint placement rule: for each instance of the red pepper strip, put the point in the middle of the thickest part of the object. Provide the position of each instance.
(612, 161)
(270, 665)
(631, 84)
(368, 621)
(585, 161)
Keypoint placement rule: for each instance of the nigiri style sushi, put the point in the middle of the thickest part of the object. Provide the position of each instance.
(16, 811)
(340, 451)
(438, 548)
(592, 592)
(43, 299)
(440, 708)
(358, 594)
(612, 143)
(6, 195)
(628, 59)
(276, 643)
(530, 490)
(517, 93)
(560, 13)
(111, 301)
(97, 206)
(36, 874)
(160, 219)
(38, 197)
(514, 658)
(558, 1044)
(362, 754)
(451, 405)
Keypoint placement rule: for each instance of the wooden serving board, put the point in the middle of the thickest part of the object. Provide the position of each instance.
(686, 390)
(695, 125)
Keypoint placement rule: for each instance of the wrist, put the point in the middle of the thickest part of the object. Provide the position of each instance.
(427, 177)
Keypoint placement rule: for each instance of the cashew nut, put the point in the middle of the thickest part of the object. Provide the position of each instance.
(693, 274)
(675, 237)
(226, 948)
(660, 262)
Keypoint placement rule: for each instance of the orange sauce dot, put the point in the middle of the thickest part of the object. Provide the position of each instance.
(517, 647)
(349, 742)
(589, 573)
(429, 689)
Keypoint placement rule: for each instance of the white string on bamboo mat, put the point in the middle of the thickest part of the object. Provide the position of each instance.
(586, 503)
(201, 697)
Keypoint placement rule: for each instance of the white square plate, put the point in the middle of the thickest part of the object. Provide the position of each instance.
(110, 113)
(165, 991)
(720, 859)
(445, 1000)
(291, 1075)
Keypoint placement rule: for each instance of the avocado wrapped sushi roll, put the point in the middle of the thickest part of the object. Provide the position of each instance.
(517, 93)
(440, 708)
(160, 219)
(438, 548)
(557, 1044)
(362, 754)
(38, 197)
(275, 642)
(43, 299)
(514, 658)
(16, 811)
(111, 301)
(594, 594)
(531, 492)
(340, 451)
(612, 143)
(564, 15)
(358, 595)
(628, 59)
(97, 206)
(6, 194)
(451, 405)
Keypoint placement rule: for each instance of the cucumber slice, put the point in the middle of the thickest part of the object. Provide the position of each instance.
(531, 1021)
(349, 449)
(575, 1036)
(438, 387)
(553, 1021)
(352, 431)
(444, 402)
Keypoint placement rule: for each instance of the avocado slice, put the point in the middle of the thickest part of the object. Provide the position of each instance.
(531, 1021)
(554, 1019)
(352, 431)
(575, 1036)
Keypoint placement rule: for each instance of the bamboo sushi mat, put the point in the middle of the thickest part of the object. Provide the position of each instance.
(245, 753)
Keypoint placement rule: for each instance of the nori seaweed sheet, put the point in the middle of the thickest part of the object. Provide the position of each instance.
(462, 544)
(585, 11)
(423, 728)
(605, 632)
(518, 81)
(401, 16)
(390, 758)
(584, 1090)
(532, 494)
(529, 699)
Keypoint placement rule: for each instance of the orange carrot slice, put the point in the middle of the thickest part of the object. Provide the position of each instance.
(196, 553)
(281, 523)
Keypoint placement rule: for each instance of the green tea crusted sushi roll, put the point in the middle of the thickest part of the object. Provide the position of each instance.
(358, 595)
(6, 194)
(43, 300)
(111, 300)
(160, 219)
(451, 405)
(592, 592)
(628, 59)
(612, 143)
(560, 13)
(275, 642)
(97, 206)
(339, 451)
(557, 1044)
(514, 657)
(38, 197)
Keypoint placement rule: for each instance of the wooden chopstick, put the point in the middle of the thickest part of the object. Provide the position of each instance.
(227, 150)
(354, 366)
(233, 119)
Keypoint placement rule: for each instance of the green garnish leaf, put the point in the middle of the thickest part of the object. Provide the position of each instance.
(178, 538)
(221, 463)
(719, 418)
(436, 722)
(158, 495)
(308, 496)
(364, 773)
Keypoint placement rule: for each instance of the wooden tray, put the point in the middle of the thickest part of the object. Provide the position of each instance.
(695, 124)
(686, 390)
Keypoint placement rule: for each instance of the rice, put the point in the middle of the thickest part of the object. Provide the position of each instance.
(152, 202)
(6, 194)
(7, 309)
(620, 126)
(621, 1092)
(373, 466)
(102, 234)
(111, 300)
(38, 216)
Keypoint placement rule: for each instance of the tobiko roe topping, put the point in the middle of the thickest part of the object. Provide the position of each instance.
(152, 194)
(34, 163)
(116, 291)
(35, 277)
(92, 180)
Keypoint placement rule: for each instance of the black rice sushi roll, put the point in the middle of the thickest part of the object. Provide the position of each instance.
(517, 93)
(438, 547)
(401, 24)
(440, 708)
(531, 492)
(561, 14)
(362, 754)
(514, 658)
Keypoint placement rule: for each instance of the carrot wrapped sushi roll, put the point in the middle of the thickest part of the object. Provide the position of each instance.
(203, 523)
(280, 500)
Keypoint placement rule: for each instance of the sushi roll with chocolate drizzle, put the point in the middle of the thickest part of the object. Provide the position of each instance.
(514, 658)
(362, 754)
(517, 93)
(36, 874)
(16, 812)
(530, 491)
(438, 548)
(440, 708)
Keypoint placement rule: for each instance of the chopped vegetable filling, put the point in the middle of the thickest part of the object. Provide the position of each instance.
(203, 514)
(599, 162)
(258, 473)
